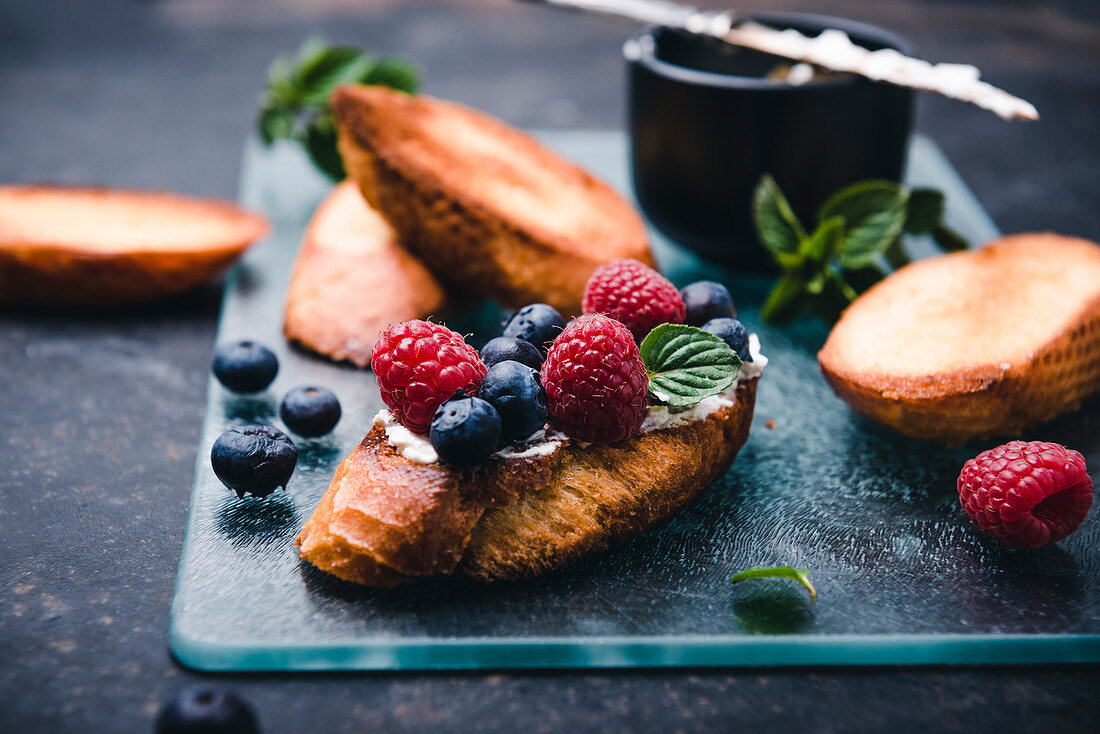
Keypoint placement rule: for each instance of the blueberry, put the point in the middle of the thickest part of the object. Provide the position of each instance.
(206, 711)
(537, 323)
(515, 391)
(465, 430)
(732, 332)
(706, 300)
(310, 411)
(509, 348)
(256, 459)
(245, 366)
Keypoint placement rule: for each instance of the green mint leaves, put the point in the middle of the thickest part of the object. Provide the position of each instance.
(859, 229)
(686, 364)
(801, 575)
(295, 100)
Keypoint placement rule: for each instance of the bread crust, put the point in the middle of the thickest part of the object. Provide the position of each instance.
(384, 519)
(45, 271)
(443, 199)
(998, 397)
(352, 279)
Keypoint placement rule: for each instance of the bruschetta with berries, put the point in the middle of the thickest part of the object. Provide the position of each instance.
(495, 470)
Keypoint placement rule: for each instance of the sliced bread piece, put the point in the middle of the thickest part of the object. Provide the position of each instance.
(483, 205)
(62, 246)
(385, 519)
(973, 344)
(351, 280)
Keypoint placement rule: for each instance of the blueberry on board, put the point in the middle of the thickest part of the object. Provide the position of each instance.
(510, 348)
(515, 391)
(245, 366)
(465, 430)
(537, 323)
(255, 459)
(203, 710)
(732, 332)
(310, 411)
(706, 300)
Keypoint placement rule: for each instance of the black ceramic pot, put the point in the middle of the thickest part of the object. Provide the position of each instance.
(705, 125)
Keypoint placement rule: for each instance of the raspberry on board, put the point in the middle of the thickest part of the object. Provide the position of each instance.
(1026, 494)
(596, 385)
(419, 366)
(635, 294)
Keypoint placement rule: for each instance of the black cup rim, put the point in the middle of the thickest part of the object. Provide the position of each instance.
(645, 43)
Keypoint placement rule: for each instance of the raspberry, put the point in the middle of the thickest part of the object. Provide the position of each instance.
(1026, 494)
(595, 381)
(634, 294)
(419, 366)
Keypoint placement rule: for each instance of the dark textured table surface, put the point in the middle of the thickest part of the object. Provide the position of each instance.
(101, 413)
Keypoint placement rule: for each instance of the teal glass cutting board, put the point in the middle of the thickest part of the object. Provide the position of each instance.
(902, 577)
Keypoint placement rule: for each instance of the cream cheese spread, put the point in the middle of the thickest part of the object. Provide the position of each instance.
(418, 449)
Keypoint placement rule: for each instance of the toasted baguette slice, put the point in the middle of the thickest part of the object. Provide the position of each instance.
(385, 519)
(973, 344)
(483, 204)
(352, 280)
(64, 246)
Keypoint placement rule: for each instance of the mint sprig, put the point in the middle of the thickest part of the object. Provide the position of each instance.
(686, 364)
(801, 575)
(295, 102)
(859, 231)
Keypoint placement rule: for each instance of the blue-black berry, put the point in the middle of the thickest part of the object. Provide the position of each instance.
(537, 323)
(706, 300)
(245, 366)
(255, 459)
(310, 411)
(733, 333)
(206, 711)
(509, 348)
(465, 430)
(515, 391)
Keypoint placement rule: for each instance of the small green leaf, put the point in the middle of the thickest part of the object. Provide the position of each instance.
(860, 279)
(835, 296)
(396, 73)
(949, 239)
(776, 225)
(897, 255)
(295, 103)
(801, 575)
(924, 212)
(787, 300)
(686, 364)
(824, 244)
(874, 216)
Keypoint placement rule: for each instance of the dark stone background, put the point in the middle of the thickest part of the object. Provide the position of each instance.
(101, 412)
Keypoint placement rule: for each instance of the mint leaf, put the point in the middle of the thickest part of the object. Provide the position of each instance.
(949, 239)
(787, 300)
(295, 104)
(874, 216)
(686, 364)
(776, 225)
(801, 575)
(924, 212)
(824, 244)
(393, 72)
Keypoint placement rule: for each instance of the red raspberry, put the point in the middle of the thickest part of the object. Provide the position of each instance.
(1026, 494)
(595, 381)
(635, 294)
(419, 366)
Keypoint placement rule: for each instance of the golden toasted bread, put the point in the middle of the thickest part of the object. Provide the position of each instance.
(352, 280)
(973, 344)
(64, 246)
(385, 519)
(483, 204)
